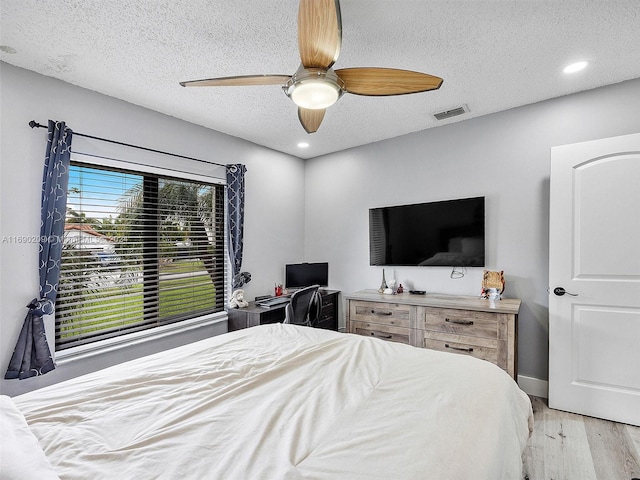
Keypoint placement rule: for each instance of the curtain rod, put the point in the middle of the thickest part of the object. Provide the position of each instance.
(34, 124)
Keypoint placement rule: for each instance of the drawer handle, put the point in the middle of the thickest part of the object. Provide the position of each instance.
(375, 312)
(459, 322)
(459, 348)
(374, 334)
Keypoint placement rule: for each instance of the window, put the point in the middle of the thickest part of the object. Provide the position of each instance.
(139, 251)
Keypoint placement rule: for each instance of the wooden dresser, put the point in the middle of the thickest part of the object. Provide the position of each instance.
(458, 324)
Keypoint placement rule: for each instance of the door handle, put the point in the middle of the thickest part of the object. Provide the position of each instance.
(559, 291)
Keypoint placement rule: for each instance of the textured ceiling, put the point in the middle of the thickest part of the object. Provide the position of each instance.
(493, 56)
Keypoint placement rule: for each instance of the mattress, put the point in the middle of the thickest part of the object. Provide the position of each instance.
(285, 402)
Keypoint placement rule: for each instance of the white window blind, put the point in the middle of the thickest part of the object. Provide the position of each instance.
(139, 251)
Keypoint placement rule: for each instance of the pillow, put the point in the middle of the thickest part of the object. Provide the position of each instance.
(455, 244)
(22, 457)
(473, 246)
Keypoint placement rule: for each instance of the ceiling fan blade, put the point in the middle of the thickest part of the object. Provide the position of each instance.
(240, 81)
(319, 32)
(386, 81)
(310, 119)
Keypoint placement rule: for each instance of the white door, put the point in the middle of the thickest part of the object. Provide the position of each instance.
(594, 254)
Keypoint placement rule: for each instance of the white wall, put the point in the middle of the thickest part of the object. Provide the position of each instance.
(273, 180)
(504, 157)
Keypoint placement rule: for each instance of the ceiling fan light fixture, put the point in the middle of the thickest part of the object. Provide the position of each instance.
(314, 89)
(314, 94)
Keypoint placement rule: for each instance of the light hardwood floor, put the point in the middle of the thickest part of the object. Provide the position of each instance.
(566, 446)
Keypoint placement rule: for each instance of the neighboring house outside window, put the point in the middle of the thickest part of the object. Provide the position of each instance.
(86, 242)
(139, 251)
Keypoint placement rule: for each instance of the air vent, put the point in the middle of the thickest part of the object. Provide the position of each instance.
(451, 113)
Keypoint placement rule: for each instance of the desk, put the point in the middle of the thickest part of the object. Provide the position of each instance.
(255, 315)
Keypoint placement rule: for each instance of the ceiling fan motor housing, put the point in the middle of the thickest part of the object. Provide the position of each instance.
(314, 88)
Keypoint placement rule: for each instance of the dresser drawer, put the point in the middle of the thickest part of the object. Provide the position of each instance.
(383, 332)
(459, 322)
(483, 348)
(392, 314)
(328, 309)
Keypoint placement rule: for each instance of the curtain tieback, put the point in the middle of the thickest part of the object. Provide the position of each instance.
(41, 307)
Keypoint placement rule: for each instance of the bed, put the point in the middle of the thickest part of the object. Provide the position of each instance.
(279, 402)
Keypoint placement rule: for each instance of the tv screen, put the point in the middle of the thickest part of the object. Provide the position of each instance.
(447, 233)
(299, 275)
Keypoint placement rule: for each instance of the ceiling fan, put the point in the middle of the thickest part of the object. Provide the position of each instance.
(316, 86)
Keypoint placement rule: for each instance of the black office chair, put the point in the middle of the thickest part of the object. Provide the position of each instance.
(304, 307)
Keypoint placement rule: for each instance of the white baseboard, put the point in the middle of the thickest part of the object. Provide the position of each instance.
(534, 386)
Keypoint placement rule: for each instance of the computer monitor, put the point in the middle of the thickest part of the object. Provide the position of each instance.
(300, 275)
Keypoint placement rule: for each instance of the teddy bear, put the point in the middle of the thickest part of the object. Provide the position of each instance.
(237, 299)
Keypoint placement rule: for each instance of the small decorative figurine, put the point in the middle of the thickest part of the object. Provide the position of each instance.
(383, 285)
(237, 299)
(400, 289)
(492, 284)
(391, 287)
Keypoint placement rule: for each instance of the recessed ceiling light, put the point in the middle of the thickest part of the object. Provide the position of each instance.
(575, 67)
(303, 144)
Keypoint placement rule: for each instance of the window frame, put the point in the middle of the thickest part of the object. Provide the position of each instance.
(161, 330)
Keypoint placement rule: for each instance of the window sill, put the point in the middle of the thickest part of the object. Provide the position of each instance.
(137, 338)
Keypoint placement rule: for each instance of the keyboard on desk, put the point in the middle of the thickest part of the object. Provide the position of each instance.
(273, 301)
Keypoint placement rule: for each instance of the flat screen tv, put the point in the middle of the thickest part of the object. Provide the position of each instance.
(447, 233)
(300, 275)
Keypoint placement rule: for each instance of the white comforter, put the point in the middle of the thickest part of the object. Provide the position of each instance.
(285, 402)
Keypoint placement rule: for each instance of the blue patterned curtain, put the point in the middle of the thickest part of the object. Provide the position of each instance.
(32, 356)
(235, 218)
